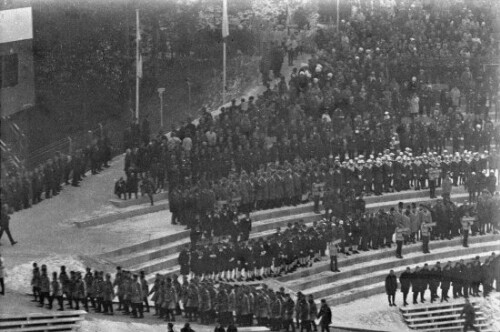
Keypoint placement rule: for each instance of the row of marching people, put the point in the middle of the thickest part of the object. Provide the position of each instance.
(96, 289)
(207, 301)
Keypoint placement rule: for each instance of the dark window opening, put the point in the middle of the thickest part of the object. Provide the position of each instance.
(9, 70)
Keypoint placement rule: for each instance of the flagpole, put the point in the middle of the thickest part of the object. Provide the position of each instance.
(224, 71)
(137, 55)
(337, 16)
(225, 34)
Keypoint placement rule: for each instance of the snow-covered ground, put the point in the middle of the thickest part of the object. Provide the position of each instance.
(371, 313)
(100, 325)
(491, 308)
(374, 313)
(18, 278)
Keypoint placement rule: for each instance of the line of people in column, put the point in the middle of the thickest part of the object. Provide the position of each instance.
(464, 278)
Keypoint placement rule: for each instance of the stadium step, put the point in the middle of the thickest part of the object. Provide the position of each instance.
(443, 315)
(295, 279)
(123, 203)
(440, 316)
(161, 251)
(125, 213)
(133, 208)
(50, 321)
(169, 264)
(387, 197)
(358, 287)
(169, 272)
(365, 275)
(157, 256)
(154, 265)
(459, 328)
(147, 245)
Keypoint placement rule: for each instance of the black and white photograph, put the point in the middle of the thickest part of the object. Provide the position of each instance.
(250, 165)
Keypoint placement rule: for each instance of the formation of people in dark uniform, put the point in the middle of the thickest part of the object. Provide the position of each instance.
(232, 256)
(23, 188)
(208, 300)
(240, 259)
(90, 290)
(331, 181)
(454, 279)
(195, 300)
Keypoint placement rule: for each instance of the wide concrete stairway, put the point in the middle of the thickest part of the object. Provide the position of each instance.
(443, 317)
(364, 275)
(50, 321)
(160, 255)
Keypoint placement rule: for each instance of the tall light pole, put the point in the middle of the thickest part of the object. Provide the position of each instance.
(160, 93)
(338, 28)
(188, 82)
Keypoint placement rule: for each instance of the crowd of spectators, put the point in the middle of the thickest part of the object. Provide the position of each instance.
(22, 188)
(396, 99)
(465, 278)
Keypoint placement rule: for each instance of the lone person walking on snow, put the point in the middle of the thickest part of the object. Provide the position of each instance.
(326, 316)
(2, 275)
(470, 316)
(4, 223)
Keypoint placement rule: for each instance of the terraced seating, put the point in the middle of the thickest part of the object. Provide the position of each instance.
(50, 321)
(363, 275)
(442, 317)
(253, 329)
(122, 203)
(160, 255)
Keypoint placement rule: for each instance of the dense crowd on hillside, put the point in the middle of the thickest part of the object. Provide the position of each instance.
(379, 109)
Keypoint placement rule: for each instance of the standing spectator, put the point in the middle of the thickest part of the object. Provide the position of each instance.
(334, 251)
(245, 226)
(472, 186)
(414, 223)
(399, 239)
(467, 221)
(148, 188)
(405, 281)
(425, 228)
(445, 281)
(132, 184)
(414, 105)
(391, 285)
(446, 186)
(491, 182)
